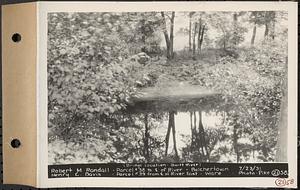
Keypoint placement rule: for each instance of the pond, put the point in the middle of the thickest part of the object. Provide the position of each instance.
(183, 126)
(193, 124)
(208, 137)
(175, 124)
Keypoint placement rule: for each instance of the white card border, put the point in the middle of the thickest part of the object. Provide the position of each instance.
(46, 7)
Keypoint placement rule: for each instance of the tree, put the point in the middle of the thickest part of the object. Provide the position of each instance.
(146, 139)
(190, 29)
(269, 21)
(232, 33)
(202, 28)
(140, 32)
(253, 34)
(198, 31)
(221, 22)
(171, 127)
(195, 31)
(194, 39)
(235, 25)
(198, 141)
(257, 18)
(238, 31)
(235, 137)
(169, 37)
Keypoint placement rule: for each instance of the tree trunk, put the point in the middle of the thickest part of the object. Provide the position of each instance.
(224, 39)
(172, 35)
(165, 31)
(172, 119)
(270, 20)
(168, 135)
(202, 36)
(199, 35)
(202, 135)
(273, 26)
(195, 120)
(192, 131)
(196, 147)
(190, 32)
(146, 146)
(235, 143)
(194, 40)
(281, 153)
(199, 136)
(235, 33)
(253, 34)
(143, 48)
(266, 30)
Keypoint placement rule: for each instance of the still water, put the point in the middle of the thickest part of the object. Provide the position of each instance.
(183, 126)
(211, 121)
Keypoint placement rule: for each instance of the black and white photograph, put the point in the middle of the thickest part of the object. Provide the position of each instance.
(167, 87)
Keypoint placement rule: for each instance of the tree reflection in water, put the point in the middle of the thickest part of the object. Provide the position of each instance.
(196, 136)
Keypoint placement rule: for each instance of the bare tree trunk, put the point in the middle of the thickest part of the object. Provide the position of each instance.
(199, 136)
(195, 120)
(169, 40)
(199, 35)
(270, 20)
(146, 143)
(266, 30)
(202, 36)
(165, 31)
(172, 35)
(192, 131)
(194, 40)
(253, 34)
(195, 131)
(190, 31)
(224, 38)
(235, 33)
(273, 26)
(143, 48)
(191, 119)
(235, 143)
(172, 119)
(168, 135)
(202, 135)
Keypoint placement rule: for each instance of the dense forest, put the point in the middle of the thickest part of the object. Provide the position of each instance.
(98, 64)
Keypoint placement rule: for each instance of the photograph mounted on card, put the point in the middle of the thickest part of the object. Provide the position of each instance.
(166, 94)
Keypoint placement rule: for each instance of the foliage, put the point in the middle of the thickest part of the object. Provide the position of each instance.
(254, 98)
(232, 33)
(141, 32)
(95, 69)
(84, 67)
(257, 17)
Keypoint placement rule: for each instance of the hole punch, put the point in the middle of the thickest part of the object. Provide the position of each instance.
(15, 143)
(16, 37)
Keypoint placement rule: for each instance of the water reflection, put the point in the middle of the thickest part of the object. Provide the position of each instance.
(149, 137)
(182, 121)
(199, 136)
